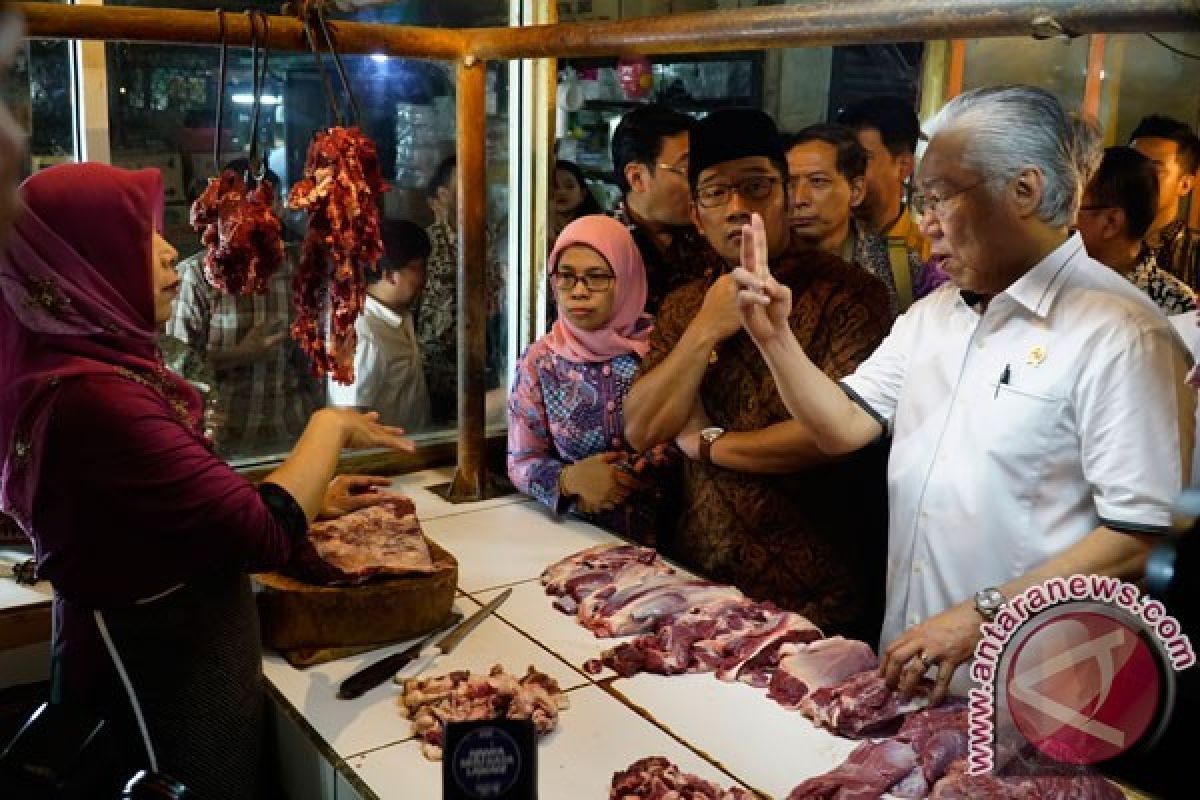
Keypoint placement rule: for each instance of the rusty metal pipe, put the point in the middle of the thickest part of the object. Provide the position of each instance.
(119, 23)
(832, 22)
(470, 479)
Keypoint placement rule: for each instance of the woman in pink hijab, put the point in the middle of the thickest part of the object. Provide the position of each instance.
(566, 431)
(146, 535)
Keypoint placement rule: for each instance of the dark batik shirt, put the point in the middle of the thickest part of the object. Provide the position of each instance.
(1169, 293)
(688, 258)
(1178, 252)
(812, 541)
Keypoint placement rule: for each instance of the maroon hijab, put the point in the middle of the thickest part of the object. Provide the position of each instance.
(78, 300)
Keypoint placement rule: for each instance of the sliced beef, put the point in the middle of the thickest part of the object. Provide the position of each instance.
(628, 607)
(656, 778)
(804, 668)
(862, 705)
(747, 649)
(868, 772)
(576, 577)
(670, 650)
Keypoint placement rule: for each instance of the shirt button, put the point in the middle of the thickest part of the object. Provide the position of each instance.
(612, 406)
(916, 568)
(607, 370)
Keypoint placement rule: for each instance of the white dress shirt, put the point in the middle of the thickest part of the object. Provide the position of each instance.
(388, 373)
(1018, 431)
(1188, 328)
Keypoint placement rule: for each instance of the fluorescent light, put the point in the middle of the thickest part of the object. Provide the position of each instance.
(248, 99)
(379, 58)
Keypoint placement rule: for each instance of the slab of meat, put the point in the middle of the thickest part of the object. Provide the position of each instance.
(242, 234)
(383, 539)
(804, 668)
(635, 604)
(577, 576)
(939, 738)
(671, 650)
(862, 705)
(867, 773)
(340, 191)
(747, 645)
(656, 778)
(459, 696)
(958, 785)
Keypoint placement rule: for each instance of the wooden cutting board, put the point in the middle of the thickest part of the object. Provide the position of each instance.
(296, 615)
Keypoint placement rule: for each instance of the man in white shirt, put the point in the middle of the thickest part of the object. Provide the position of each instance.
(1037, 404)
(388, 373)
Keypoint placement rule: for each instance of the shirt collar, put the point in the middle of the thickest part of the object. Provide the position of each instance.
(381, 312)
(1038, 288)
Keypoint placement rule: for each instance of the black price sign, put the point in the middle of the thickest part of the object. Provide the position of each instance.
(490, 760)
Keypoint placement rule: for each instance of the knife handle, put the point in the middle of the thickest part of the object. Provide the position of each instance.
(362, 682)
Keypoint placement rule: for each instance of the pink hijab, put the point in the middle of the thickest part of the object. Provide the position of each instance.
(629, 329)
(78, 300)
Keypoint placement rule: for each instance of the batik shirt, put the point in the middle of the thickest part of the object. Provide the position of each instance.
(688, 257)
(561, 412)
(811, 540)
(1178, 252)
(437, 328)
(1169, 293)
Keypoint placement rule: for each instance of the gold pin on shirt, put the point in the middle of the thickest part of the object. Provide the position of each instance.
(1037, 354)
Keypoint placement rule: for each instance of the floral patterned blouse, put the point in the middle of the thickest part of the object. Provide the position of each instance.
(560, 412)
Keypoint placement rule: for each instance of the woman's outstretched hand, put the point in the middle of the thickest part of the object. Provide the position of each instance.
(361, 431)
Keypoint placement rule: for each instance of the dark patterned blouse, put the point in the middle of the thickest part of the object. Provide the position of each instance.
(813, 541)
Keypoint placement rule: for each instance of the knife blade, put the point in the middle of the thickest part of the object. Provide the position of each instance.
(454, 638)
(374, 674)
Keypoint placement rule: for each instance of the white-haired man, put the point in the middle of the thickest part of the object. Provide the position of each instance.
(1034, 404)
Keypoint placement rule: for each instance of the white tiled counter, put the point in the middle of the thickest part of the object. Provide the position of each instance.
(362, 748)
(596, 736)
(24, 626)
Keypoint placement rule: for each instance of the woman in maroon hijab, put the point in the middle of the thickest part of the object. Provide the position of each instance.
(146, 535)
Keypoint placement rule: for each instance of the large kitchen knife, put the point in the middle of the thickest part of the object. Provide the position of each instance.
(372, 675)
(454, 638)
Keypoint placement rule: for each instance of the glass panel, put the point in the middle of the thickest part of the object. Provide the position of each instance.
(38, 90)
(1059, 67)
(1142, 77)
(162, 103)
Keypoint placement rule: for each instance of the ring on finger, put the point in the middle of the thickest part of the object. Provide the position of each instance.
(925, 659)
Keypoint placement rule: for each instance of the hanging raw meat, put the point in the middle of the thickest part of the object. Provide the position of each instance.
(340, 191)
(242, 235)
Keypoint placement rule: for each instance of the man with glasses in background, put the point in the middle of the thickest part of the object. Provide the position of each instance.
(752, 513)
(650, 165)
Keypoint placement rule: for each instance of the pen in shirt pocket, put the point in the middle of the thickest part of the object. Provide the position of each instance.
(1004, 376)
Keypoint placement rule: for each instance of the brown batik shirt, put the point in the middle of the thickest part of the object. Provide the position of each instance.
(813, 541)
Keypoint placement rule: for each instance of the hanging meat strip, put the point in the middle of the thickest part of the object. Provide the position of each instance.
(339, 190)
(243, 237)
